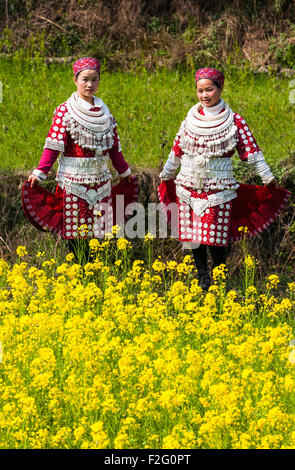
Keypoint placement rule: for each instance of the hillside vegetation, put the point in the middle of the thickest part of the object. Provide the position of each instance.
(158, 32)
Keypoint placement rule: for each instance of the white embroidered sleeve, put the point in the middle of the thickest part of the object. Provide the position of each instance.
(260, 166)
(174, 158)
(170, 167)
(39, 175)
(126, 173)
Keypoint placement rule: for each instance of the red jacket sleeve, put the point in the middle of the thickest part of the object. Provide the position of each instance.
(246, 141)
(57, 135)
(47, 159)
(117, 157)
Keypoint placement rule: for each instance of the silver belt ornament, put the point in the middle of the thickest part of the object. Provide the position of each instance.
(200, 205)
(92, 196)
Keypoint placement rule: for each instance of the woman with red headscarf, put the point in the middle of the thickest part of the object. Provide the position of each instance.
(84, 133)
(212, 205)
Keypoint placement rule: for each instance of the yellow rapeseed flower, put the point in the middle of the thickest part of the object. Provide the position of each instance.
(158, 265)
(123, 244)
(273, 281)
(148, 237)
(21, 251)
(219, 273)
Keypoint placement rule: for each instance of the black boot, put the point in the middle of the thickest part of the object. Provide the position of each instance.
(201, 262)
(204, 279)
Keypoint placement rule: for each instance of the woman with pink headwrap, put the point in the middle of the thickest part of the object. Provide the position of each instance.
(212, 205)
(84, 134)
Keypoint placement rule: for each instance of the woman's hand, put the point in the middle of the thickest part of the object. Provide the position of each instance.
(272, 183)
(126, 178)
(33, 180)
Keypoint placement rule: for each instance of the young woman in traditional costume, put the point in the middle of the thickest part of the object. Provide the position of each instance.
(212, 205)
(84, 133)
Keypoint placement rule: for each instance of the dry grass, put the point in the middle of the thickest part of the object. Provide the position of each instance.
(155, 33)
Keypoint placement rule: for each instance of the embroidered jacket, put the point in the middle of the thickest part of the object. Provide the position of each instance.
(214, 172)
(77, 164)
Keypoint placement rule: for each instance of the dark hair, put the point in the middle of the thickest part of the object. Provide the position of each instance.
(213, 81)
(216, 83)
(76, 76)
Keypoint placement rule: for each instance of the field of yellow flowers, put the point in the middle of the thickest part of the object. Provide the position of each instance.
(116, 354)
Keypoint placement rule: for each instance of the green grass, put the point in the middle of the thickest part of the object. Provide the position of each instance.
(149, 108)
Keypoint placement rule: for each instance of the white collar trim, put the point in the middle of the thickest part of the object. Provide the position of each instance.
(84, 104)
(214, 110)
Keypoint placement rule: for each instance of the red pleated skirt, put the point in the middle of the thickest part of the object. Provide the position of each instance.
(67, 215)
(254, 209)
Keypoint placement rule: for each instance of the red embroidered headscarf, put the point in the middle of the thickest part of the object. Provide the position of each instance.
(212, 74)
(86, 63)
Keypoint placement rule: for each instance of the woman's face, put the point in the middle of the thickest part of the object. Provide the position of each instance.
(87, 83)
(207, 92)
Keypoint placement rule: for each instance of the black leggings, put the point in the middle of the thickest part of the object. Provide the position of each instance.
(218, 253)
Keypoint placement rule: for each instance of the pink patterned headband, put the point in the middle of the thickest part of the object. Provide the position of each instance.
(212, 74)
(86, 63)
